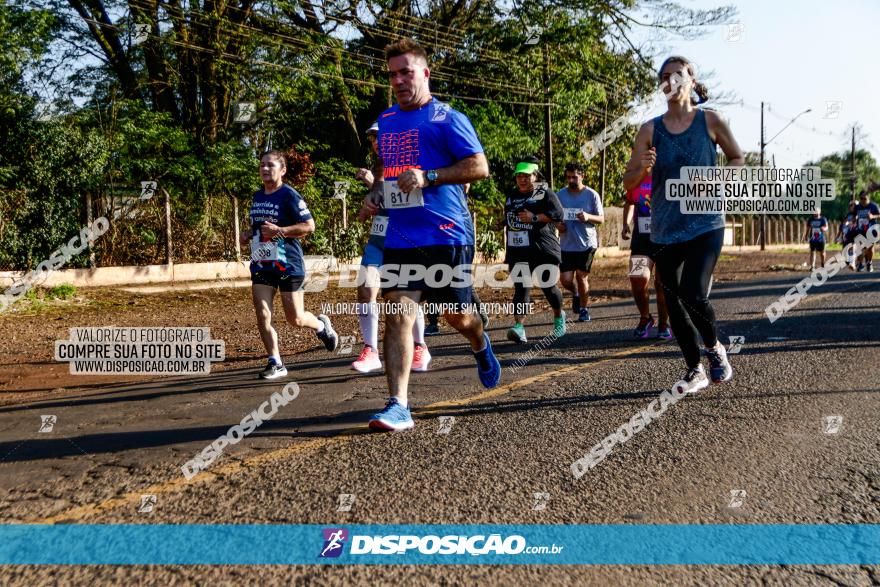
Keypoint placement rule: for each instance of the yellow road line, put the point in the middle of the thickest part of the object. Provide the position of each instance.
(234, 467)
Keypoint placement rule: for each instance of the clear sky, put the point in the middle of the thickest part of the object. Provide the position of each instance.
(795, 55)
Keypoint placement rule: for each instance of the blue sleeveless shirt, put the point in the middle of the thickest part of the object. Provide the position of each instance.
(692, 147)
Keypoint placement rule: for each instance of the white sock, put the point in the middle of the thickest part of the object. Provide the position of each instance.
(320, 326)
(277, 360)
(419, 328)
(368, 317)
(403, 402)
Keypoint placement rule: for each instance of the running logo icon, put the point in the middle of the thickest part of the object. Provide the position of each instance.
(541, 500)
(317, 281)
(446, 423)
(334, 541)
(148, 188)
(47, 423)
(833, 108)
(346, 343)
(533, 35)
(245, 112)
(736, 343)
(639, 267)
(832, 424)
(440, 111)
(346, 500)
(147, 504)
(735, 32)
(737, 497)
(141, 32)
(340, 189)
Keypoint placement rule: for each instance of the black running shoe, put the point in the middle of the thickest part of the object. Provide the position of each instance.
(273, 371)
(328, 336)
(432, 329)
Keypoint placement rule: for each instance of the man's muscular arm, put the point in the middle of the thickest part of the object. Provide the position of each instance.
(468, 170)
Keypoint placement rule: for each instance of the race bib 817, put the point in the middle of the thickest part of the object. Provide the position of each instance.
(395, 198)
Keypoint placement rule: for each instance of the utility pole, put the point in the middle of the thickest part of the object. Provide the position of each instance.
(852, 163)
(763, 223)
(602, 176)
(764, 144)
(548, 122)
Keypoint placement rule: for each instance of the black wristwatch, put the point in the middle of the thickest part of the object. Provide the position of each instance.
(431, 176)
(534, 217)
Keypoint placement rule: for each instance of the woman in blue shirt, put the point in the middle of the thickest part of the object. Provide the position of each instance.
(279, 218)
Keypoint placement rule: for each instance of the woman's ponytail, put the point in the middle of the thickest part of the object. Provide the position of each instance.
(702, 93)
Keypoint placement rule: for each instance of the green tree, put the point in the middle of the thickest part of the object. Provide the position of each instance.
(838, 166)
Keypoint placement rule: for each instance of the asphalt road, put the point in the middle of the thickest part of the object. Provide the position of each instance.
(772, 433)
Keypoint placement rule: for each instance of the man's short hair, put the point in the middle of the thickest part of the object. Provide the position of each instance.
(576, 167)
(404, 46)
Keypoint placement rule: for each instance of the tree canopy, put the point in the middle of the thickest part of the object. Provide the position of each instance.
(100, 95)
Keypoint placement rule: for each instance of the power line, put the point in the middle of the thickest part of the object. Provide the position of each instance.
(254, 61)
(441, 73)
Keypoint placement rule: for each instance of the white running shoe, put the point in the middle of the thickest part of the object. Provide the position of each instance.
(692, 382)
(719, 367)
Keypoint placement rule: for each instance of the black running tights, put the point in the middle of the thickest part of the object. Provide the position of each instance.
(521, 292)
(685, 272)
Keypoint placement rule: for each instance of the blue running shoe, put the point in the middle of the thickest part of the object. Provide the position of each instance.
(643, 330)
(393, 418)
(487, 365)
(664, 333)
(584, 315)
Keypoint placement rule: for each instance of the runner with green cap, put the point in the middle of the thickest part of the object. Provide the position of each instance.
(531, 211)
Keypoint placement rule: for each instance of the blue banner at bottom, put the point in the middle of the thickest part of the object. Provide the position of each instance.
(740, 544)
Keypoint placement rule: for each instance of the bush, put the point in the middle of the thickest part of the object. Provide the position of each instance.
(489, 245)
(65, 291)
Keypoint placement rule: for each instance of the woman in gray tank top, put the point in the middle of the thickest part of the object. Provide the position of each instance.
(687, 245)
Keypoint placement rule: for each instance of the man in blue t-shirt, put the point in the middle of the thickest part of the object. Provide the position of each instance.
(427, 151)
(817, 226)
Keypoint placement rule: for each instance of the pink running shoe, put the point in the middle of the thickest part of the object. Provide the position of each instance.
(367, 361)
(421, 358)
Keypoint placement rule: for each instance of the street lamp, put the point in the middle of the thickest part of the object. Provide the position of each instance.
(764, 144)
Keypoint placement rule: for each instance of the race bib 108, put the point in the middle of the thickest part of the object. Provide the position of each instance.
(264, 251)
